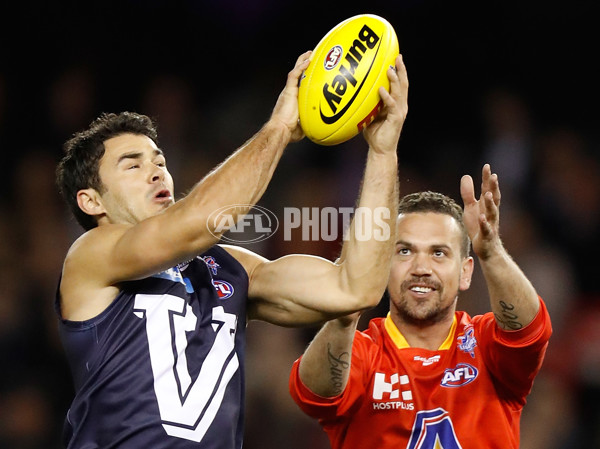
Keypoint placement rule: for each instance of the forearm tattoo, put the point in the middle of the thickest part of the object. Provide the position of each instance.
(337, 365)
(508, 319)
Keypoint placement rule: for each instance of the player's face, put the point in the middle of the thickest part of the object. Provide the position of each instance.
(135, 177)
(427, 268)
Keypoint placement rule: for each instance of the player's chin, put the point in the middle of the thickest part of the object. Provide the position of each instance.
(159, 206)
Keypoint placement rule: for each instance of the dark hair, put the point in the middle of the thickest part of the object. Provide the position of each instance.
(79, 168)
(440, 204)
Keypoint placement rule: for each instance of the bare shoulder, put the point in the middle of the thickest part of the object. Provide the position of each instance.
(248, 259)
(89, 250)
(85, 289)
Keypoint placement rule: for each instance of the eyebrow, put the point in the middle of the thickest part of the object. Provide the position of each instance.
(434, 245)
(137, 155)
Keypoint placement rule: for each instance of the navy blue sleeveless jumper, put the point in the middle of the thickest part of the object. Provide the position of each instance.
(162, 366)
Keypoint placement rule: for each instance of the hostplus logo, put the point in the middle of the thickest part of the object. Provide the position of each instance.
(392, 393)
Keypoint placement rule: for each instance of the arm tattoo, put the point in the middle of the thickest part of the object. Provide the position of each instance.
(337, 366)
(508, 319)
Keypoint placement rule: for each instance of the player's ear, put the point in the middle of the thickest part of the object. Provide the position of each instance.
(90, 202)
(466, 273)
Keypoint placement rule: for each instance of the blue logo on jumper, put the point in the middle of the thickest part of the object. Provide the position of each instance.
(433, 429)
(211, 263)
(468, 342)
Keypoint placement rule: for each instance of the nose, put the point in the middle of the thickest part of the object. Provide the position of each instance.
(421, 265)
(157, 174)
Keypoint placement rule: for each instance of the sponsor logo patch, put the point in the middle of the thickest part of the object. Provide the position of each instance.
(427, 360)
(460, 375)
(211, 263)
(224, 289)
(467, 342)
(392, 395)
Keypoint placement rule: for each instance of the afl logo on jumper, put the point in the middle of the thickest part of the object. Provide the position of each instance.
(460, 375)
(224, 289)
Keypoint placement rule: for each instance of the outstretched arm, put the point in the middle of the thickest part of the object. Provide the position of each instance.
(513, 299)
(108, 255)
(241, 180)
(301, 289)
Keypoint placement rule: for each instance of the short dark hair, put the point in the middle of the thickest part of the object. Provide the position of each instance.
(79, 168)
(440, 204)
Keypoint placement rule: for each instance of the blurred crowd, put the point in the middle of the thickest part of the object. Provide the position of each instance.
(549, 174)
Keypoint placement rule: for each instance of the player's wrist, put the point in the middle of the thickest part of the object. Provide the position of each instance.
(493, 252)
(278, 126)
(386, 146)
(381, 158)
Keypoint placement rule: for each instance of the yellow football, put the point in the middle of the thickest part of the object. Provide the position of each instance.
(338, 93)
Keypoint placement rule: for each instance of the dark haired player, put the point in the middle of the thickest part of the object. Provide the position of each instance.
(153, 312)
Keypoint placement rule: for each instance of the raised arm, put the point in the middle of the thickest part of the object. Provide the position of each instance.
(121, 251)
(513, 299)
(299, 289)
(184, 229)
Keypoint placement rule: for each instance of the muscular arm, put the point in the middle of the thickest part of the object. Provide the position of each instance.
(300, 289)
(108, 255)
(325, 366)
(513, 299)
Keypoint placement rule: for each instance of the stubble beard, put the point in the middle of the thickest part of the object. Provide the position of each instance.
(424, 314)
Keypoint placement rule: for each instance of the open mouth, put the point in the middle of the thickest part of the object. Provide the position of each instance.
(421, 289)
(163, 195)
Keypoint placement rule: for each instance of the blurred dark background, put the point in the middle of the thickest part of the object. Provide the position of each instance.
(510, 83)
